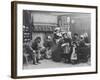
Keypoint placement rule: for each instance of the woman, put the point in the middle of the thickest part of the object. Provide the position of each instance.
(66, 46)
(48, 45)
(84, 50)
(56, 53)
(57, 35)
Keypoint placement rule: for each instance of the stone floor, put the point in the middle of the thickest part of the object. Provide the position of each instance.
(51, 64)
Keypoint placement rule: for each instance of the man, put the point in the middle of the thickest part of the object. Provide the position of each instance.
(36, 50)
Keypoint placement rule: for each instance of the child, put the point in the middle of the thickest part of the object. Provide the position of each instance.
(74, 57)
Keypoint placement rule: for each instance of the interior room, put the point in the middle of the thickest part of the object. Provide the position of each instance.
(43, 24)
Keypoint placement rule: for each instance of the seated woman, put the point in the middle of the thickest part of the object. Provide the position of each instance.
(48, 47)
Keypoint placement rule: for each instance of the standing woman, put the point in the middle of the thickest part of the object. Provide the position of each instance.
(66, 46)
(57, 50)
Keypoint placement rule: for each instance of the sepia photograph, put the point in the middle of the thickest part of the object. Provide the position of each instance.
(53, 39)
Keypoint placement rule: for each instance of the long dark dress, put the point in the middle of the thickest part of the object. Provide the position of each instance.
(83, 51)
(56, 54)
(66, 53)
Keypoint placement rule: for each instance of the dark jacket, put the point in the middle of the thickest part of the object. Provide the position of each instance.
(35, 46)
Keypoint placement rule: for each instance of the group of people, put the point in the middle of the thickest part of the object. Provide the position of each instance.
(62, 46)
(71, 49)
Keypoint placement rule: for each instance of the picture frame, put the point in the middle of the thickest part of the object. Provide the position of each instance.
(43, 18)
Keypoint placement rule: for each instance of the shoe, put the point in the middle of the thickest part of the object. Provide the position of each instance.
(39, 63)
(35, 63)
